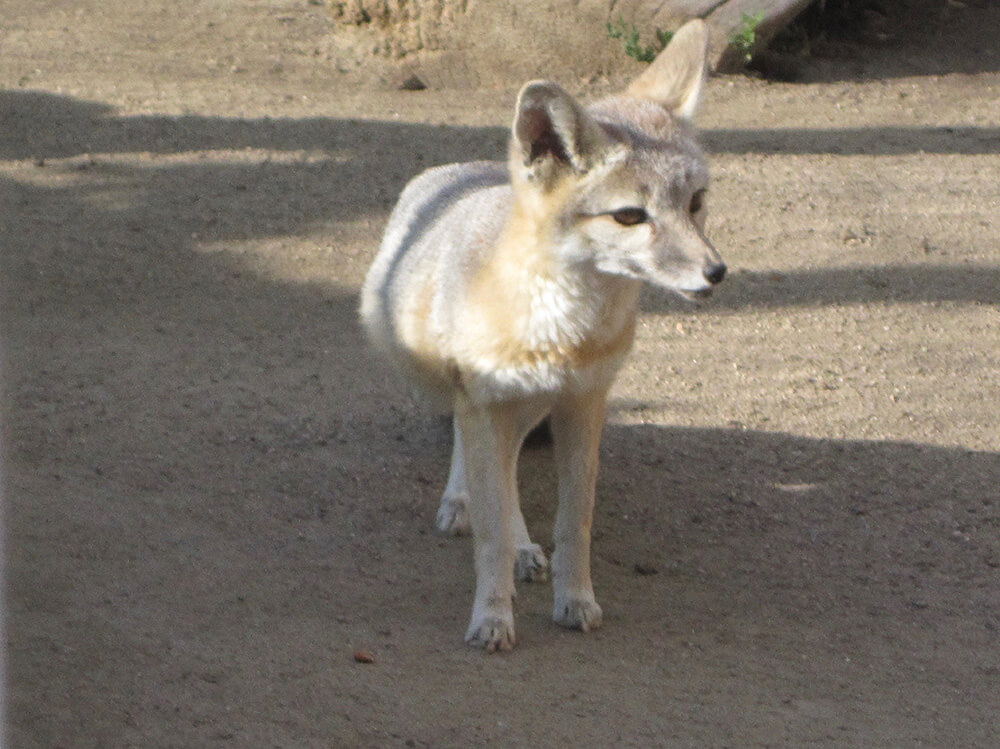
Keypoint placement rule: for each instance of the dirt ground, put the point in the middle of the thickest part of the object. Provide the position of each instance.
(215, 493)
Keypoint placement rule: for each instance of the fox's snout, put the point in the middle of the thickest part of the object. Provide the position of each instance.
(702, 273)
(714, 272)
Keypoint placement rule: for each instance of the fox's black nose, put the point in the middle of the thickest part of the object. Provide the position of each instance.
(715, 272)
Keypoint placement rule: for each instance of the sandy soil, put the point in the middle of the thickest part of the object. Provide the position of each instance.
(215, 493)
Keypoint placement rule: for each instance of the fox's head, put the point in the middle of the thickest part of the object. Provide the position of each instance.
(622, 184)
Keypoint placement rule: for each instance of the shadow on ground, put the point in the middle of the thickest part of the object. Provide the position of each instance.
(861, 40)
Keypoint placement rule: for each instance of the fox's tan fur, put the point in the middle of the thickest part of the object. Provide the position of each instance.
(509, 292)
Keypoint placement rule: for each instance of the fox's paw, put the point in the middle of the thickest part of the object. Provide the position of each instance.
(530, 565)
(453, 515)
(491, 633)
(577, 612)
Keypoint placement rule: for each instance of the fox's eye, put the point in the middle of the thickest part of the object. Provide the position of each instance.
(630, 216)
(697, 201)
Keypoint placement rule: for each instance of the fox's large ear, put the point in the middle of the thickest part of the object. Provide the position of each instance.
(675, 78)
(552, 132)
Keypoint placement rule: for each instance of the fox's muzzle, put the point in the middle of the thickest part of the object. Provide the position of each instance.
(714, 272)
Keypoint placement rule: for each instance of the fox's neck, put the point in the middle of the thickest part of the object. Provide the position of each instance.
(549, 303)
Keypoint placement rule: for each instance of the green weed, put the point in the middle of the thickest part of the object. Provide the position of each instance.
(629, 36)
(744, 39)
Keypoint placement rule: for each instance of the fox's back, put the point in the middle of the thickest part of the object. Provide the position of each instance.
(444, 225)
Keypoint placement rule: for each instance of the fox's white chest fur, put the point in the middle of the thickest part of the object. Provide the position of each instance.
(543, 332)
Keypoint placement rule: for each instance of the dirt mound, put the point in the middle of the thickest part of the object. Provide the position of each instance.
(449, 43)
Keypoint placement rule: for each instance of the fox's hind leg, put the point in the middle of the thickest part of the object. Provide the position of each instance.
(453, 514)
(530, 564)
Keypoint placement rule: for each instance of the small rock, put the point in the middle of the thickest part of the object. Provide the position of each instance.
(363, 656)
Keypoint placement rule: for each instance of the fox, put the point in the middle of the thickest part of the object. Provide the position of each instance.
(509, 292)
